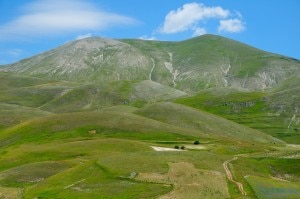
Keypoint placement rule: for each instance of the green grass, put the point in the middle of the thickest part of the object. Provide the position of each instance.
(105, 164)
(93, 181)
(57, 157)
(188, 182)
(226, 102)
(209, 124)
(11, 115)
(285, 169)
(12, 81)
(31, 96)
(66, 150)
(157, 162)
(273, 189)
(63, 125)
(90, 97)
(121, 108)
(29, 91)
(96, 96)
(29, 174)
(89, 136)
(256, 110)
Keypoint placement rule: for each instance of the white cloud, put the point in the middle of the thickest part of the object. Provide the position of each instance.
(231, 25)
(144, 37)
(195, 17)
(188, 15)
(56, 17)
(84, 36)
(199, 31)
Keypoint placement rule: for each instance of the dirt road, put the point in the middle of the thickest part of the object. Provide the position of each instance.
(230, 178)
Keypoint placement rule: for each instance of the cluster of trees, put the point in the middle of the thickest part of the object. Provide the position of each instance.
(183, 147)
(179, 147)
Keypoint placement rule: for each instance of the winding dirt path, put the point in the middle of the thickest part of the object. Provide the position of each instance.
(230, 178)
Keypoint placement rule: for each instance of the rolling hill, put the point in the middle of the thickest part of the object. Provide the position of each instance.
(128, 118)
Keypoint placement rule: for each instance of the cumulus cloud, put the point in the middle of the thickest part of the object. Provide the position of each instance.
(195, 17)
(199, 31)
(231, 25)
(56, 17)
(188, 15)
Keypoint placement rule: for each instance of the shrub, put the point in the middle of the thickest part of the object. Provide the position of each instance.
(183, 147)
(176, 147)
(196, 142)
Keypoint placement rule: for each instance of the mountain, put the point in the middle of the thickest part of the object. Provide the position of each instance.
(86, 59)
(203, 62)
(128, 118)
(93, 73)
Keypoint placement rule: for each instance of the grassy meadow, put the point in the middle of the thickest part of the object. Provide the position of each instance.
(149, 119)
(108, 154)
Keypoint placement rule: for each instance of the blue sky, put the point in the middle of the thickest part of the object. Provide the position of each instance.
(29, 27)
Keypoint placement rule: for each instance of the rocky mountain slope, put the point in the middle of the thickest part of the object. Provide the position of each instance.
(207, 61)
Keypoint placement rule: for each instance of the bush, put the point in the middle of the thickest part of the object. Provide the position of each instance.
(176, 147)
(196, 142)
(183, 147)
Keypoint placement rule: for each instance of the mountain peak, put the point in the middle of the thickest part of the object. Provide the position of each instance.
(94, 42)
(207, 61)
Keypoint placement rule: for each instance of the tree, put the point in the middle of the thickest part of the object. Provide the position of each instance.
(196, 142)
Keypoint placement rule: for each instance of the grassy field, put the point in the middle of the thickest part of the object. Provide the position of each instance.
(189, 182)
(267, 112)
(272, 188)
(269, 166)
(94, 136)
(94, 168)
(210, 124)
(109, 154)
(11, 115)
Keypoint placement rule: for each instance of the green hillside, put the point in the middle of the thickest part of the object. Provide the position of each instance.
(64, 147)
(195, 119)
(275, 113)
(78, 124)
(11, 115)
(207, 117)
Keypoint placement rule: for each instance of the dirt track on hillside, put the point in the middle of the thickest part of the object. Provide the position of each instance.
(230, 178)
